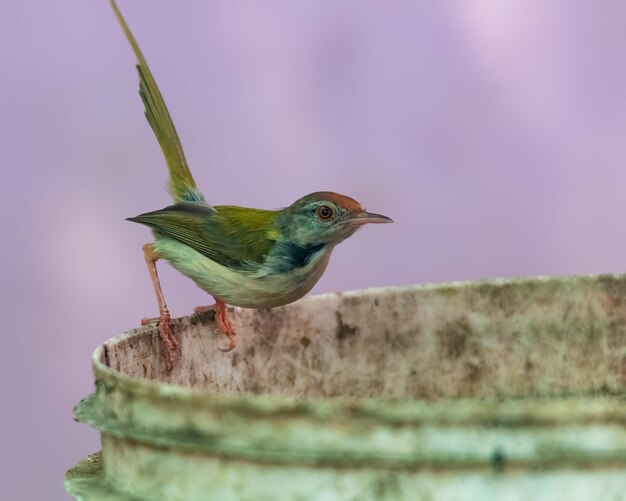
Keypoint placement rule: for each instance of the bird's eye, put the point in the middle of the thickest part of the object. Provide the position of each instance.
(325, 212)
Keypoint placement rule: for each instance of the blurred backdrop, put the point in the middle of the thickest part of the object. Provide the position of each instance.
(493, 132)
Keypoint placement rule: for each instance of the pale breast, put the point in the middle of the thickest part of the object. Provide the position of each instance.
(263, 287)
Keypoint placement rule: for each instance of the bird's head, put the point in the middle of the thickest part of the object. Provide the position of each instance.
(323, 218)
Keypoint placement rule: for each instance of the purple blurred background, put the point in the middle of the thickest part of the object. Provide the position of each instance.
(493, 132)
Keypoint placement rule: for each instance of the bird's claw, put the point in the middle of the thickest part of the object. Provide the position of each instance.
(199, 310)
(170, 347)
(169, 340)
(232, 344)
(147, 321)
(221, 317)
(166, 320)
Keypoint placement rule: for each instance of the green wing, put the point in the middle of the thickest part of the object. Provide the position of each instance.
(181, 185)
(232, 236)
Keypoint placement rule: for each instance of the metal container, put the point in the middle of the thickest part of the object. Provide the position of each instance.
(504, 390)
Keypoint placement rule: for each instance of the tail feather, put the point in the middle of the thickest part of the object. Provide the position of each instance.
(181, 185)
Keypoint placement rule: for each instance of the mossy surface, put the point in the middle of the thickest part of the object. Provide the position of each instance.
(400, 389)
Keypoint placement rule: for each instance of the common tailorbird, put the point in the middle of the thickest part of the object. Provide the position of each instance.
(252, 258)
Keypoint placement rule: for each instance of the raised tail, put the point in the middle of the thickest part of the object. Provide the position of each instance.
(181, 184)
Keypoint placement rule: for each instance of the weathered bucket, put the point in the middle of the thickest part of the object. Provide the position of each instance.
(504, 390)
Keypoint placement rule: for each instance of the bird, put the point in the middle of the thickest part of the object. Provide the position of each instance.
(250, 258)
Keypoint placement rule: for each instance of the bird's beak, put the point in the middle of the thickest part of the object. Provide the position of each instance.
(370, 218)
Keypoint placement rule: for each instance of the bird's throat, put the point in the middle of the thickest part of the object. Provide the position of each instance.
(289, 257)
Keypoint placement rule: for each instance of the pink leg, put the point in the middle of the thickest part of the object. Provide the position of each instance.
(149, 320)
(165, 329)
(199, 310)
(221, 316)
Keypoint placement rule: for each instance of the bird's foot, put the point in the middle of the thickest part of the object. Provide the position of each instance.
(199, 310)
(232, 344)
(169, 340)
(172, 337)
(156, 320)
(221, 316)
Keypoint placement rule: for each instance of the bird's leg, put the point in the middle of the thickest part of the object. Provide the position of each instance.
(165, 329)
(223, 323)
(221, 316)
